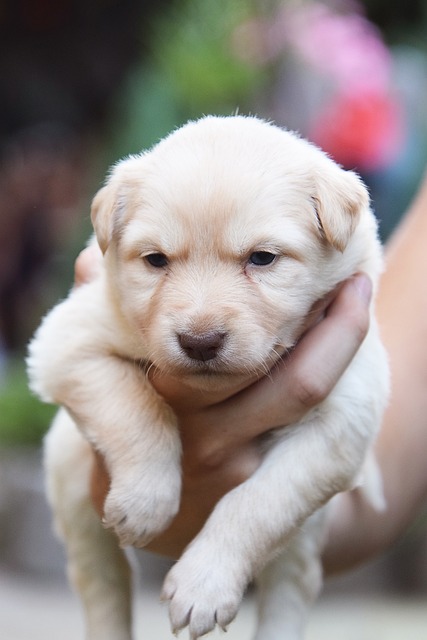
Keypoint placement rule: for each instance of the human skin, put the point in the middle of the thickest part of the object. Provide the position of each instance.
(357, 532)
(220, 440)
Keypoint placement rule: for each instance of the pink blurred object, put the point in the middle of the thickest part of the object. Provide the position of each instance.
(344, 46)
(359, 119)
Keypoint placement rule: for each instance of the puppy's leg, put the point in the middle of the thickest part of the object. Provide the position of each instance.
(290, 583)
(122, 416)
(299, 474)
(126, 420)
(73, 361)
(97, 566)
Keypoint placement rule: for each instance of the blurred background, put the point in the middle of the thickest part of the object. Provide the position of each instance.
(85, 83)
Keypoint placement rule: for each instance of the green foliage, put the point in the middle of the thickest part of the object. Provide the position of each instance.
(23, 418)
(193, 47)
(192, 69)
(145, 112)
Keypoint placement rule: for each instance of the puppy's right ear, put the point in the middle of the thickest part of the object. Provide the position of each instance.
(340, 197)
(109, 204)
(102, 214)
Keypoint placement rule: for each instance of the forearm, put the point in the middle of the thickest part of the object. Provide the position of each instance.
(402, 313)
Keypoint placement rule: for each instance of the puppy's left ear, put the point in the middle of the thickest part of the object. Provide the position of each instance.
(339, 199)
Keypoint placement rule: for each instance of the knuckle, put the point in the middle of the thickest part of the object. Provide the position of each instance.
(309, 391)
(206, 456)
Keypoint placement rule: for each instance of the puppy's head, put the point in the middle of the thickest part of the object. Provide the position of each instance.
(219, 240)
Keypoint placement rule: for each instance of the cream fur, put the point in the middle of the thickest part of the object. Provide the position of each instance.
(208, 198)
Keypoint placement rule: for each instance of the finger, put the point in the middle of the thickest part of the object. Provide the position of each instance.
(308, 375)
(87, 264)
(326, 351)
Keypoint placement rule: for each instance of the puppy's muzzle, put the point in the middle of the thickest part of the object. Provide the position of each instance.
(202, 346)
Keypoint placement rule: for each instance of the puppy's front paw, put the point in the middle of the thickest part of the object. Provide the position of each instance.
(140, 508)
(204, 589)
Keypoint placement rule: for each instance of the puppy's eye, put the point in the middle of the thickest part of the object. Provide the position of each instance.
(157, 260)
(262, 258)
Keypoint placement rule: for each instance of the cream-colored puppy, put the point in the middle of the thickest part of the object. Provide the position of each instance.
(216, 243)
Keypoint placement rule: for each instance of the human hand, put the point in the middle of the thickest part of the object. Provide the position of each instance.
(87, 264)
(220, 440)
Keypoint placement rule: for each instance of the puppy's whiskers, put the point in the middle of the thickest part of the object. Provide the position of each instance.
(151, 369)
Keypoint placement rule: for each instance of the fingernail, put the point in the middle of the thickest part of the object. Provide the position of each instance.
(363, 286)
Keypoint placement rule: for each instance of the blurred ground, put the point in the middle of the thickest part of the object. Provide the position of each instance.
(372, 603)
(47, 611)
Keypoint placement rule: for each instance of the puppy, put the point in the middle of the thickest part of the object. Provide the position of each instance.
(216, 243)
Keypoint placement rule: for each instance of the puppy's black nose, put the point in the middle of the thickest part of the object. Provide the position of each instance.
(201, 346)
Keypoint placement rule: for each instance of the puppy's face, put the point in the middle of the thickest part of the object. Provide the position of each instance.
(219, 241)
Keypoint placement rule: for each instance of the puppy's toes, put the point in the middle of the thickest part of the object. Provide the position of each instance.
(202, 593)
